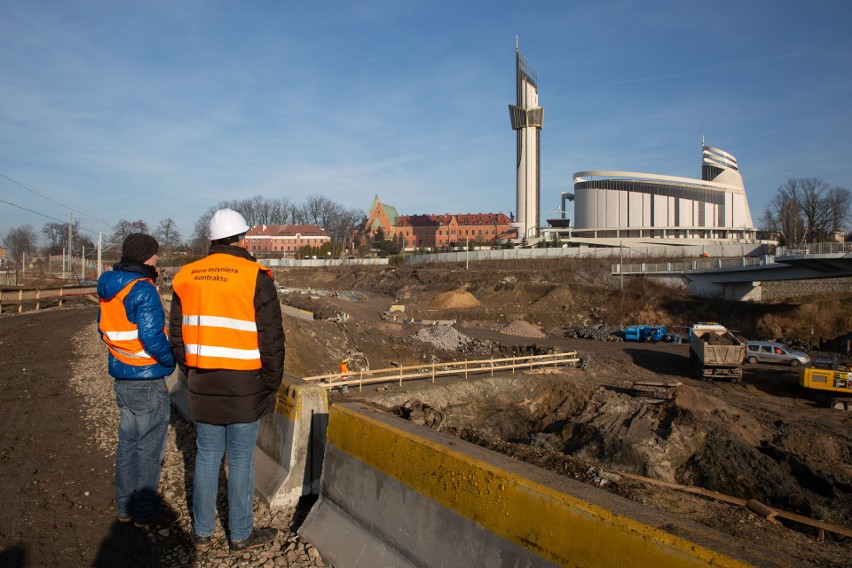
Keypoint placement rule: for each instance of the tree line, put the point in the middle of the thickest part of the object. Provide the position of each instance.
(338, 222)
(802, 210)
(807, 210)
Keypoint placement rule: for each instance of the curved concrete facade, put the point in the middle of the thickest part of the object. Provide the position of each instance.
(618, 204)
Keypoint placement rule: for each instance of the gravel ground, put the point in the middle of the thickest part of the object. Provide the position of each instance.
(92, 383)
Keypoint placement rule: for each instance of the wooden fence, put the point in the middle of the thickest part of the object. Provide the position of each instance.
(400, 374)
(17, 299)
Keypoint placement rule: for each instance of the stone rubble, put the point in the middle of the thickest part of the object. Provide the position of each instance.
(448, 338)
(91, 381)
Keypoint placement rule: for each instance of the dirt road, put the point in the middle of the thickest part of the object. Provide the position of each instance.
(58, 423)
(56, 490)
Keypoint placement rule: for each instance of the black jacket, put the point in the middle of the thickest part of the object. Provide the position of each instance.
(224, 396)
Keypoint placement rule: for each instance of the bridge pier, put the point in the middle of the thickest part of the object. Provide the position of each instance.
(750, 291)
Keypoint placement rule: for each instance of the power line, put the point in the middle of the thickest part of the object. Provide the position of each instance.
(46, 216)
(19, 184)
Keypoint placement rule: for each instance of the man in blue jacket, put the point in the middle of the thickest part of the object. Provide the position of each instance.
(131, 321)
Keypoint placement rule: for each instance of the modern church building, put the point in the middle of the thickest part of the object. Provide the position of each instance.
(626, 205)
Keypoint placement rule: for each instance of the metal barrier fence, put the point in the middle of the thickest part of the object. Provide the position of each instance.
(687, 266)
(612, 251)
(404, 373)
(729, 263)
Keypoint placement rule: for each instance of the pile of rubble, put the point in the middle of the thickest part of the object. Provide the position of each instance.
(599, 332)
(448, 338)
(520, 328)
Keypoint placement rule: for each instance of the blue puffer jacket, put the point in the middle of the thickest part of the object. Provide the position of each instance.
(145, 309)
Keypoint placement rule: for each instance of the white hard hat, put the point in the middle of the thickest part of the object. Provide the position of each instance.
(226, 223)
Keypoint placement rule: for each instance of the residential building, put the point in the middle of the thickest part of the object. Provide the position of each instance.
(438, 231)
(281, 241)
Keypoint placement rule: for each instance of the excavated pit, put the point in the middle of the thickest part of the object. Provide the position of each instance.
(590, 430)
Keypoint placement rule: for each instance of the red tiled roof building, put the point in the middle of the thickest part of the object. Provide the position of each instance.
(284, 240)
(439, 231)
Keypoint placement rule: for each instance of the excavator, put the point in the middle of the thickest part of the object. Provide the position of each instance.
(829, 382)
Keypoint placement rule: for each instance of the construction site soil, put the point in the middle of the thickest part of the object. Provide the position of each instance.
(629, 419)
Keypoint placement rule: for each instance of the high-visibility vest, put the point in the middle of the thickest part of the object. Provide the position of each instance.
(219, 327)
(119, 333)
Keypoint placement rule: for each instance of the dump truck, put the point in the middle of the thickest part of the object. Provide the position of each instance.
(828, 382)
(715, 352)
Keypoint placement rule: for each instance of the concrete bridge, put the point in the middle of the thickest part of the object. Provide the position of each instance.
(741, 278)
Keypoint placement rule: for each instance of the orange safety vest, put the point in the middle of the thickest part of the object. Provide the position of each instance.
(119, 333)
(219, 327)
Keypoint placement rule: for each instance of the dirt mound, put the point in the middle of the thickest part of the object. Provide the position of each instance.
(521, 328)
(454, 299)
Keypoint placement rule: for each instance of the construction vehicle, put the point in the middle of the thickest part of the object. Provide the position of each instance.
(828, 382)
(715, 352)
(653, 333)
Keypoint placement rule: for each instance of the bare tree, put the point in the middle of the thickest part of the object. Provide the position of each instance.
(168, 235)
(807, 209)
(339, 224)
(200, 241)
(57, 235)
(21, 240)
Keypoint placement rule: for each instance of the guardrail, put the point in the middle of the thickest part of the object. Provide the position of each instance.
(814, 248)
(403, 373)
(22, 297)
(688, 266)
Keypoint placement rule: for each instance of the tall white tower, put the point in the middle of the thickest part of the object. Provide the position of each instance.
(527, 119)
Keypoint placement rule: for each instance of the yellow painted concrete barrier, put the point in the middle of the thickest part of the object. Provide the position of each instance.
(290, 443)
(398, 494)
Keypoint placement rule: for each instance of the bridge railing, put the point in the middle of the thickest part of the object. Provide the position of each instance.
(814, 248)
(687, 266)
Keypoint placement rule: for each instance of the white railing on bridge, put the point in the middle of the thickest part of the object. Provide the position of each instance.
(689, 265)
(814, 248)
(730, 263)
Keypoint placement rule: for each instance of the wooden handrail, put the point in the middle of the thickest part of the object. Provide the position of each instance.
(432, 370)
(38, 296)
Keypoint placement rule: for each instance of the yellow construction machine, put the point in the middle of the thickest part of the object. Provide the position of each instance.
(829, 382)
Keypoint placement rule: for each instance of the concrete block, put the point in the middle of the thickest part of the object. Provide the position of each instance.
(290, 444)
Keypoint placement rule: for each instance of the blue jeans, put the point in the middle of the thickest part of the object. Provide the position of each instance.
(212, 442)
(145, 410)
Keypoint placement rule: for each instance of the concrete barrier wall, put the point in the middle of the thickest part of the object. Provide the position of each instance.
(290, 444)
(398, 494)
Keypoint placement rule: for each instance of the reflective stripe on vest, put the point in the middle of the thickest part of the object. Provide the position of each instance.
(119, 333)
(217, 297)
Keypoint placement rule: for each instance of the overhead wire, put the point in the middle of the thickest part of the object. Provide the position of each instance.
(106, 245)
(86, 215)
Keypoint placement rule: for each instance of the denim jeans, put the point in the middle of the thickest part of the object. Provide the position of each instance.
(145, 409)
(212, 442)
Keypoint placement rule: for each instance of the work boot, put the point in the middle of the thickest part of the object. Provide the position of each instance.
(200, 541)
(258, 537)
(164, 519)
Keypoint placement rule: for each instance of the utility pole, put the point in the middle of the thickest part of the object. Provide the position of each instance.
(70, 261)
(99, 254)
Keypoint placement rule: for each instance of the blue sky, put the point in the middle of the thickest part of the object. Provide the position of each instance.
(156, 109)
